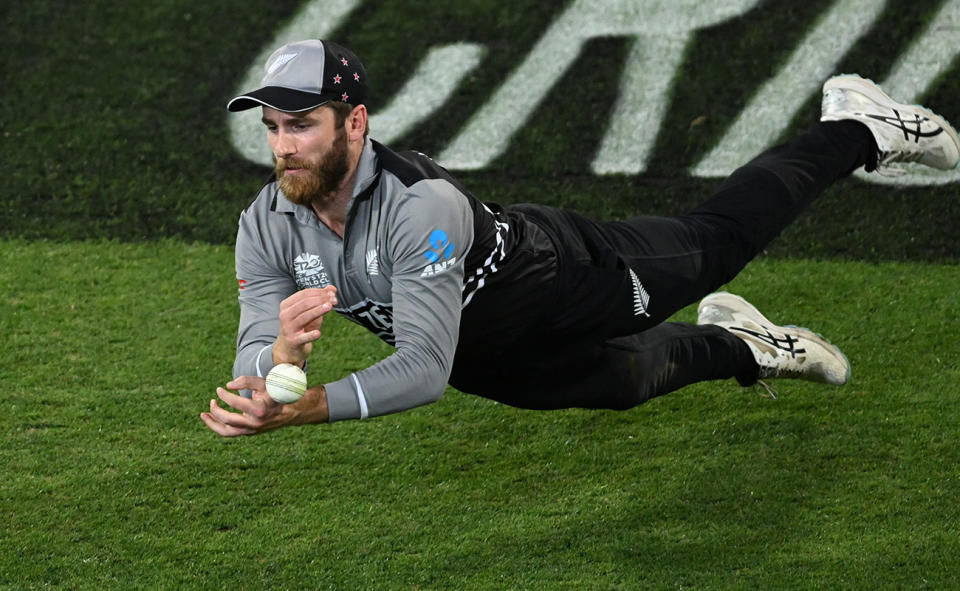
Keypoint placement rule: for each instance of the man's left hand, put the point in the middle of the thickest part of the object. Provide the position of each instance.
(261, 413)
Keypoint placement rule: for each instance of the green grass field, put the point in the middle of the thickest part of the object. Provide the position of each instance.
(119, 196)
(111, 481)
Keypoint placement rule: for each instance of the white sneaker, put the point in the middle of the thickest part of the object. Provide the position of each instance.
(904, 133)
(780, 351)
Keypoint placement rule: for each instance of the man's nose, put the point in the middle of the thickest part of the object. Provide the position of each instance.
(285, 145)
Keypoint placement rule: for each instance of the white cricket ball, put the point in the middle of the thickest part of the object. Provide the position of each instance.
(286, 383)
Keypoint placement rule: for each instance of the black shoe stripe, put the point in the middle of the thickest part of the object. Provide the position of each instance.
(901, 124)
(787, 343)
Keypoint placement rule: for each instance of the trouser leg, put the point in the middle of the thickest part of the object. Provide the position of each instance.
(619, 282)
(760, 199)
(617, 374)
(628, 276)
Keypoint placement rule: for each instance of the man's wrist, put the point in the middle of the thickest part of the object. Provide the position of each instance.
(312, 408)
(282, 354)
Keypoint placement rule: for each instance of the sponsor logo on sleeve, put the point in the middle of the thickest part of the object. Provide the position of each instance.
(439, 253)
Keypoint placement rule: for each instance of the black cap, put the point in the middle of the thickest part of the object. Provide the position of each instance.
(304, 75)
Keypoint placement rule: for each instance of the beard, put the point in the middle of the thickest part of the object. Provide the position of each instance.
(320, 180)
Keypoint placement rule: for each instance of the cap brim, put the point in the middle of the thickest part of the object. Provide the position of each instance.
(279, 98)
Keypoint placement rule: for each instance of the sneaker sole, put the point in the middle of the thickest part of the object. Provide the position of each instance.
(871, 90)
(735, 302)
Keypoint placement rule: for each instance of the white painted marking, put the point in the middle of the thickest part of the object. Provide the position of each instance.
(488, 134)
(641, 106)
(661, 30)
(437, 76)
(765, 117)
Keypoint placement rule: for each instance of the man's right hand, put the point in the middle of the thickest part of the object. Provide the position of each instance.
(300, 318)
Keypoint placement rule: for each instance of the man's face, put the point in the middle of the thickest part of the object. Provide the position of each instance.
(310, 153)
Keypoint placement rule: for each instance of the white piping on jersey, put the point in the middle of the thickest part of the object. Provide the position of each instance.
(361, 398)
(490, 264)
(259, 355)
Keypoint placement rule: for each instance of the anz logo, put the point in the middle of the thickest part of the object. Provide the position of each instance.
(659, 31)
(439, 253)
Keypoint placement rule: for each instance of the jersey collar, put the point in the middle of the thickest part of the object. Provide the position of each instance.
(366, 169)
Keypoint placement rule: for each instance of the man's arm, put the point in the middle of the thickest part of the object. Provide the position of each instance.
(264, 284)
(428, 247)
(429, 235)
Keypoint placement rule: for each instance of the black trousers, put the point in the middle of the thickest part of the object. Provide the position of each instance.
(600, 338)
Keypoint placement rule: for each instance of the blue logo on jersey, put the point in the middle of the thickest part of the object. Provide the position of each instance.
(440, 246)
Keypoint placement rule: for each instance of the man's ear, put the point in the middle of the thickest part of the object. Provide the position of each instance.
(357, 123)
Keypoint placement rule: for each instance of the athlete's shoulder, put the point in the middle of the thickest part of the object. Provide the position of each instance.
(411, 167)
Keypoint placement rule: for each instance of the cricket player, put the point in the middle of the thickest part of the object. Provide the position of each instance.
(528, 305)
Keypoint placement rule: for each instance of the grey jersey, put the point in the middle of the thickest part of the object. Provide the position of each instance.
(416, 247)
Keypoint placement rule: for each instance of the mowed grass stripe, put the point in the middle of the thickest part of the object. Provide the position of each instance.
(110, 480)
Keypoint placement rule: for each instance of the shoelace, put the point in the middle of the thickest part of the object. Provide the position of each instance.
(770, 389)
(887, 162)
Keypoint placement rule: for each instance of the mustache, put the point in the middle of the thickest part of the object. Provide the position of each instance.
(282, 164)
